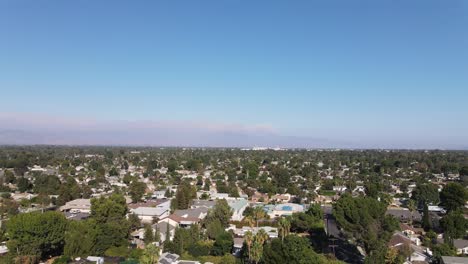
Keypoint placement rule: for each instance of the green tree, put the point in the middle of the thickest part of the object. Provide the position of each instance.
(258, 214)
(113, 208)
(365, 219)
(23, 185)
(411, 208)
(248, 238)
(454, 225)
(37, 234)
(80, 238)
(137, 190)
(426, 218)
(221, 211)
(150, 255)
(284, 228)
(443, 250)
(48, 184)
(453, 196)
(134, 221)
(112, 227)
(43, 200)
(294, 250)
(149, 234)
(425, 193)
(223, 244)
(213, 228)
(184, 196)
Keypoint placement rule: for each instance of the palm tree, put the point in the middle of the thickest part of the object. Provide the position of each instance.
(257, 251)
(284, 226)
(412, 208)
(248, 240)
(258, 213)
(261, 236)
(257, 245)
(250, 221)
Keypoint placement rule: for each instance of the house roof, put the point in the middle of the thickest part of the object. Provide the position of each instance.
(454, 260)
(77, 204)
(152, 203)
(203, 203)
(401, 213)
(149, 211)
(460, 243)
(162, 227)
(238, 204)
(198, 213)
(238, 242)
(404, 227)
(398, 239)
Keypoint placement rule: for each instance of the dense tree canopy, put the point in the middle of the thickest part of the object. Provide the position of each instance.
(365, 219)
(453, 196)
(425, 193)
(37, 235)
(294, 250)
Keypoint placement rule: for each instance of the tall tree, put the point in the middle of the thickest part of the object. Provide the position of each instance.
(365, 219)
(453, 196)
(137, 190)
(248, 237)
(454, 225)
(149, 234)
(426, 218)
(221, 211)
(37, 234)
(294, 250)
(411, 208)
(109, 215)
(425, 193)
(258, 214)
(284, 228)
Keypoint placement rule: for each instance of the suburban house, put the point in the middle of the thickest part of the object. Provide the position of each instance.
(282, 198)
(187, 217)
(171, 258)
(404, 215)
(258, 197)
(284, 209)
(238, 207)
(163, 228)
(461, 245)
(400, 241)
(240, 232)
(454, 260)
(148, 214)
(77, 206)
(203, 203)
(159, 195)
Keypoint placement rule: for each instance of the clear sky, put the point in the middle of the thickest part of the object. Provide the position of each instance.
(353, 73)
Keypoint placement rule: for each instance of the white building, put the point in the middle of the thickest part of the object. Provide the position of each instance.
(148, 214)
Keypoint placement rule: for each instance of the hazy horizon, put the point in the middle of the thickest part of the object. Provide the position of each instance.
(380, 75)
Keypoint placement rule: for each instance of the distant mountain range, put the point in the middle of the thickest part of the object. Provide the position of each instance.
(28, 129)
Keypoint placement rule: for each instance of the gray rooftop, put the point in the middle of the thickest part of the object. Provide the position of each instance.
(454, 260)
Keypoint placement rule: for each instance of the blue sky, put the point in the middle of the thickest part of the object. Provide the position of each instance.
(368, 73)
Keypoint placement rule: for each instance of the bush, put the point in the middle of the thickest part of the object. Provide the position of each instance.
(117, 252)
(200, 248)
(61, 260)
